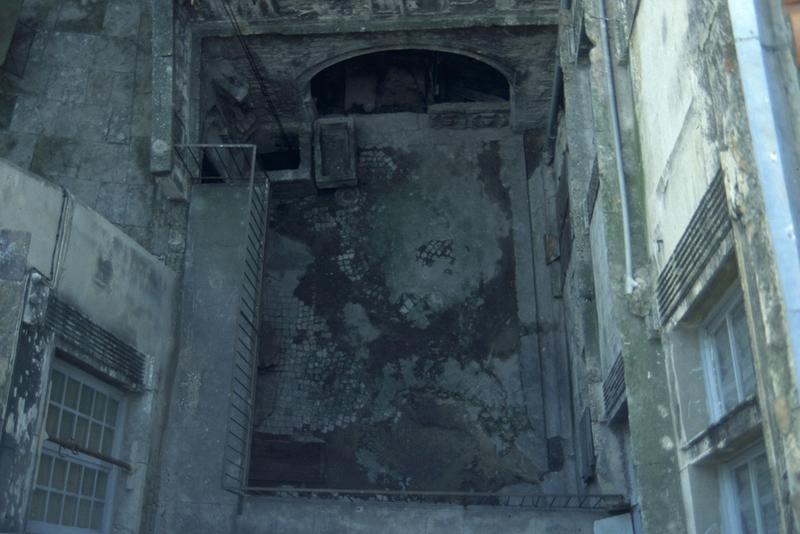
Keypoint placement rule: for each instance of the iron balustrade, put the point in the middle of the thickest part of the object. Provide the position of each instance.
(236, 163)
(611, 504)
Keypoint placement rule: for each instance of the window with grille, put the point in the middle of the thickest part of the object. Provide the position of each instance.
(730, 375)
(749, 502)
(73, 489)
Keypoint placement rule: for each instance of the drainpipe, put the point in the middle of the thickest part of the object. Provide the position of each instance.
(630, 282)
(775, 158)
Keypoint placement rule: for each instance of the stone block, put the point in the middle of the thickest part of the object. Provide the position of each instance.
(7, 104)
(142, 115)
(163, 28)
(31, 114)
(123, 88)
(56, 156)
(14, 248)
(40, 14)
(85, 191)
(71, 50)
(335, 152)
(81, 16)
(122, 18)
(173, 185)
(92, 121)
(139, 205)
(105, 162)
(161, 136)
(100, 85)
(68, 84)
(115, 53)
(111, 202)
(17, 147)
(119, 125)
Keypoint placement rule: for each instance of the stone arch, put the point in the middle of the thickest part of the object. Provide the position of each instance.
(304, 80)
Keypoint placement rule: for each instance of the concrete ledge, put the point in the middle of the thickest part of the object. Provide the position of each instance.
(470, 115)
(163, 73)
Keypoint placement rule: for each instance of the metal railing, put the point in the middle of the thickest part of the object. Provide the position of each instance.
(611, 504)
(237, 164)
(208, 163)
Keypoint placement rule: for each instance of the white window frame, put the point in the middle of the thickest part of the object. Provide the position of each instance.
(43, 527)
(722, 313)
(730, 505)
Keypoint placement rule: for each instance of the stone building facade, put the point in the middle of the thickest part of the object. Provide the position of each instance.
(573, 278)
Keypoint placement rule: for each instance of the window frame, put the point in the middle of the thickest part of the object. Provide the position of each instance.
(730, 504)
(99, 385)
(722, 313)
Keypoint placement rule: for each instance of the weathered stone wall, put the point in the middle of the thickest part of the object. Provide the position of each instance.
(289, 60)
(76, 109)
(683, 122)
(94, 267)
(366, 10)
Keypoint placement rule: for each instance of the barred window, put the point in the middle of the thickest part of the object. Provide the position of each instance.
(73, 489)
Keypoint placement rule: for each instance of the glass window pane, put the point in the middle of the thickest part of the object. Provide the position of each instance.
(108, 441)
(51, 426)
(95, 434)
(744, 497)
(97, 515)
(67, 425)
(102, 482)
(744, 354)
(70, 511)
(99, 406)
(84, 513)
(59, 474)
(727, 377)
(71, 394)
(37, 505)
(54, 507)
(81, 430)
(45, 463)
(88, 482)
(766, 498)
(87, 396)
(74, 478)
(111, 412)
(56, 387)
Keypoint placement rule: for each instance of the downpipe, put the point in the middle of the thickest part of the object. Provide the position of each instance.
(630, 282)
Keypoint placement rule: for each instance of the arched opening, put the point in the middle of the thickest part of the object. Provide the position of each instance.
(405, 81)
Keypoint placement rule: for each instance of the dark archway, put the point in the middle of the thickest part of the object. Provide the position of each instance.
(405, 81)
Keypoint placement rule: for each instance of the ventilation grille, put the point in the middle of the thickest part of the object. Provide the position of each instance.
(614, 387)
(94, 347)
(709, 226)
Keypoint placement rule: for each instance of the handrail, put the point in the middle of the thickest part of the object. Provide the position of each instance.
(610, 503)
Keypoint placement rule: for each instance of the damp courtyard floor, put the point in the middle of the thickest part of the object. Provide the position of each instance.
(392, 317)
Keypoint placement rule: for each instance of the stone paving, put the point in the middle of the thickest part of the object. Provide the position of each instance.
(75, 107)
(391, 323)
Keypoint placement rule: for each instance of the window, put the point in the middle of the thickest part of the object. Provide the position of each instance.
(749, 503)
(730, 376)
(73, 490)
